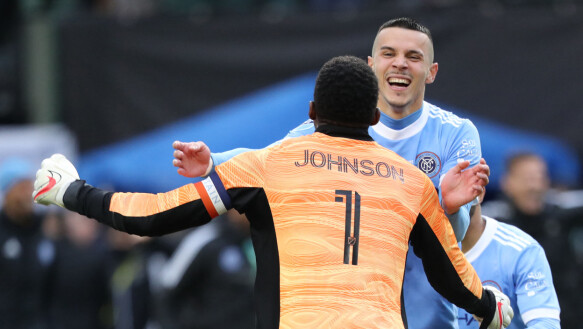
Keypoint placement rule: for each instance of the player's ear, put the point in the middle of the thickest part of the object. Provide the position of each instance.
(432, 73)
(376, 117)
(312, 112)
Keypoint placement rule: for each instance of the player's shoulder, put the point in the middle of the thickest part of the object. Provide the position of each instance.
(303, 142)
(446, 118)
(511, 236)
(305, 128)
(296, 136)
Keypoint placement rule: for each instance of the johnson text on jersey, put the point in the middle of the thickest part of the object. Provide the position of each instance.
(345, 164)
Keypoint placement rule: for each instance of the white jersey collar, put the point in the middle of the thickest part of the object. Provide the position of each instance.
(412, 129)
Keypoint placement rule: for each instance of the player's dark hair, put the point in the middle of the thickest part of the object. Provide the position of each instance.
(346, 92)
(407, 23)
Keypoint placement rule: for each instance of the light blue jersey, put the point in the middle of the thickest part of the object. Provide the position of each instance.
(434, 140)
(513, 262)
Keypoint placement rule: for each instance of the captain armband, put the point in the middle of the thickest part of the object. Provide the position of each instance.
(213, 195)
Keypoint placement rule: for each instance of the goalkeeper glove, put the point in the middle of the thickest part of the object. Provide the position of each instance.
(503, 314)
(53, 179)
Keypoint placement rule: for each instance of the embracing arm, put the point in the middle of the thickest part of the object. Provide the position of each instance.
(460, 221)
(462, 144)
(448, 271)
(57, 182)
(139, 213)
(458, 186)
(218, 158)
(194, 159)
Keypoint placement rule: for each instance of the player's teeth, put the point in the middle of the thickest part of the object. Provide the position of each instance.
(397, 80)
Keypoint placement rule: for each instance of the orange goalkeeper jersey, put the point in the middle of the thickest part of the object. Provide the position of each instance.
(330, 218)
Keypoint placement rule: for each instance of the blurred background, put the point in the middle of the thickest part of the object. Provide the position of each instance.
(124, 78)
(112, 83)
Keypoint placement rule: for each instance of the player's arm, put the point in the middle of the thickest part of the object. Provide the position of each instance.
(465, 146)
(461, 183)
(188, 160)
(533, 275)
(453, 193)
(447, 269)
(57, 182)
(460, 220)
(218, 158)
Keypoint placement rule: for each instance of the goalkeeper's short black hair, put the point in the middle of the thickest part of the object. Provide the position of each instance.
(346, 92)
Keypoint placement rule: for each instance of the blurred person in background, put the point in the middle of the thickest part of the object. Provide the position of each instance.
(493, 247)
(208, 281)
(27, 256)
(131, 292)
(81, 286)
(524, 202)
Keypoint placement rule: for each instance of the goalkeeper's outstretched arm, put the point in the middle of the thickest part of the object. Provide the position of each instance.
(57, 182)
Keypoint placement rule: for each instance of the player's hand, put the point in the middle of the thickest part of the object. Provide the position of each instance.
(193, 159)
(461, 184)
(504, 312)
(52, 180)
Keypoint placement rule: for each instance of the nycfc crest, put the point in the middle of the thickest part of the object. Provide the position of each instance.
(429, 163)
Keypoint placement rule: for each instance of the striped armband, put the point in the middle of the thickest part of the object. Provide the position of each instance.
(213, 195)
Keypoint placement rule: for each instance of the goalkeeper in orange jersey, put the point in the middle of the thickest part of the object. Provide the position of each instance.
(331, 216)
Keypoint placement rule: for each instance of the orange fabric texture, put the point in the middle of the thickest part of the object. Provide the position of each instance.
(343, 210)
(145, 204)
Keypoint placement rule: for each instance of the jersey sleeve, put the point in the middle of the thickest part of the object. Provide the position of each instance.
(244, 170)
(219, 158)
(464, 145)
(460, 221)
(151, 214)
(536, 297)
(306, 128)
(446, 267)
(185, 207)
(544, 323)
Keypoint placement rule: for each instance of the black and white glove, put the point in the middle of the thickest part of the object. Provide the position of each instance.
(504, 312)
(53, 179)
